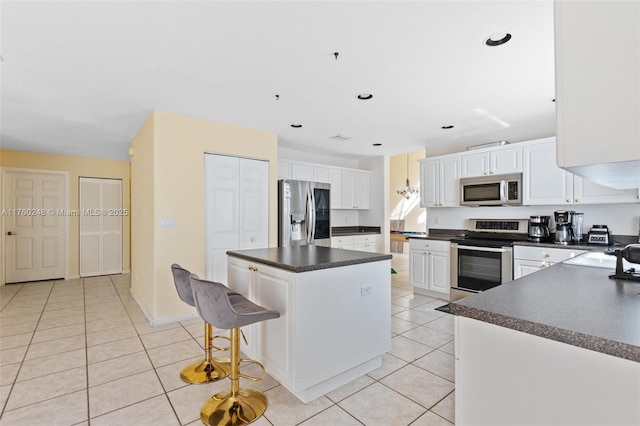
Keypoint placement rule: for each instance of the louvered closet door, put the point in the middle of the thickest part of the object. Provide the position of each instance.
(100, 226)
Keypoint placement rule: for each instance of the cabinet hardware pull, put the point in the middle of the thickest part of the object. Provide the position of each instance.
(547, 255)
(543, 265)
(568, 200)
(577, 201)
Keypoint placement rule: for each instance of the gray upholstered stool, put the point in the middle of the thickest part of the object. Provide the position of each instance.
(208, 369)
(227, 310)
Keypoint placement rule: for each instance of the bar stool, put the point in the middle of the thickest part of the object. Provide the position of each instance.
(228, 310)
(208, 369)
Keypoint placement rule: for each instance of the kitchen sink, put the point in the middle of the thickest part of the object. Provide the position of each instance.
(597, 259)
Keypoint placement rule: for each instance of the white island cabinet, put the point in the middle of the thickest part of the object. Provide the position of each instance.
(334, 323)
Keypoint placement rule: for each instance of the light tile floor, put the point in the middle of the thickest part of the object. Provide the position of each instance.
(81, 352)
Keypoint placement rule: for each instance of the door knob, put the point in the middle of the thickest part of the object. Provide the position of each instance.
(12, 233)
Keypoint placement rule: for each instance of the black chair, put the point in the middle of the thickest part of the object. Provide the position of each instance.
(227, 310)
(209, 369)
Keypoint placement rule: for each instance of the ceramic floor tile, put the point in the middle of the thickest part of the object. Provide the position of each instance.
(58, 333)
(170, 374)
(13, 355)
(64, 410)
(121, 393)
(420, 386)
(379, 405)
(446, 408)
(431, 419)
(21, 319)
(40, 367)
(145, 328)
(395, 309)
(16, 340)
(98, 307)
(117, 368)
(416, 317)
(4, 394)
(45, 349)
(156, 411)
(285, 409)
(333, 415)
(12, 330)
(175, 352)
(188, 400)
(102, 325)
(8, 373)
(350, 388)
(428, 336)
(47, 387)
(438, 363)
(111, 335)
(162, 338)
(114, 349)
(413, 300)
(55, 305)
(407, 349)
(107, 314)
(390, 364)
(64, 312)
(47, 324)
(399, 326)
(444, 324)
(449, 348)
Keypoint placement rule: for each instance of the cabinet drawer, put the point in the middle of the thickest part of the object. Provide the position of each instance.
(432, 245)
(346, 240)
(364, 239)
(545, 254)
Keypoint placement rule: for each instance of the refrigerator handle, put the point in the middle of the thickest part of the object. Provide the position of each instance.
(309, 216)
(313, 214)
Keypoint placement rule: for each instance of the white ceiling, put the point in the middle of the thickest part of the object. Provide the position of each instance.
(79, 78)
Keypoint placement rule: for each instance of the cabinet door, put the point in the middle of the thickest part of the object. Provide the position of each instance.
(506, 160)
(361, 190)
(347, 190)
(301, 172)
(544, 183)
(284, 170)
(526, 267)
(587, 192)
(335, 179)
(439, 272)
(321, 174)
(429, 183)
(450, 182)
(419, 269)
(474, 164)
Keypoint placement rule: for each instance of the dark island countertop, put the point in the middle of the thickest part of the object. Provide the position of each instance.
(577, 305)
(307, 258)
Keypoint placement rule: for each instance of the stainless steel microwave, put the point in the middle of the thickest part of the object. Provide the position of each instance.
(497, 190)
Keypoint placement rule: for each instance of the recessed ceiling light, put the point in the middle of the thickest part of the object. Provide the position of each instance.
(296, 126)
(447, 127)
(497, 39)
(377, 144)
(365, 96)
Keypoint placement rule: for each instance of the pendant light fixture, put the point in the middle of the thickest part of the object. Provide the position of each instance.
(407, 192)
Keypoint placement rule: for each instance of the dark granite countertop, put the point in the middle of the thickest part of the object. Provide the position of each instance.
(307, 258)
(339, 231)
(577, 305)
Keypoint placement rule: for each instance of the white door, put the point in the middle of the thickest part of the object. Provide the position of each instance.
(101, 216)
(236, 209)
(35, 225)
(430, 183)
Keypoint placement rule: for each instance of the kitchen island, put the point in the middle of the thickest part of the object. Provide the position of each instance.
(335, 313)
(560, 346)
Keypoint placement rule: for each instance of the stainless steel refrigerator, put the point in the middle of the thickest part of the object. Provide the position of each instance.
(304, 212)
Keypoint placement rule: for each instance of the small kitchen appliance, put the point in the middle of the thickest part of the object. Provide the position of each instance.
(539, 228)
(631, 253)
(577, 220)
(564, 230)
(495, 190)
(599, 234)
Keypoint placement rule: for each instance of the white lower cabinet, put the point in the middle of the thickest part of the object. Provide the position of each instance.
(429, 267)
(320, 311)
(528, 259)
(368, 242)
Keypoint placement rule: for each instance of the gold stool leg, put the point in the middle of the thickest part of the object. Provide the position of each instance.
(237, 406)
(209, 369)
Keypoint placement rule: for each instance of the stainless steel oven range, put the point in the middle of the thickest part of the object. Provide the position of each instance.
(483, 258)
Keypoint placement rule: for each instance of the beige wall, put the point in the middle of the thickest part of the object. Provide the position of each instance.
(399, 207)
(169, 150)
(77, 167)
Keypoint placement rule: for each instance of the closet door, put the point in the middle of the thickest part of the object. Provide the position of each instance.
(236, 209)
(100, 226)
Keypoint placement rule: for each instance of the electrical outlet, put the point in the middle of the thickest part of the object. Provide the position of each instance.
(365, 291)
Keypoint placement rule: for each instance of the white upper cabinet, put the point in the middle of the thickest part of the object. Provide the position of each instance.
(439, 182)
(493, 162)
(598, 90)
(321, 174)
(284, 169)
(301, 172)
(335, 179)
(544, 183)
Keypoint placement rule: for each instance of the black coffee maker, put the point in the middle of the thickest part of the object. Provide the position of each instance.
(539, 229)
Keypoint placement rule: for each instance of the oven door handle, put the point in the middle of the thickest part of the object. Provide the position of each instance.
(491, 249)
(468, 290)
